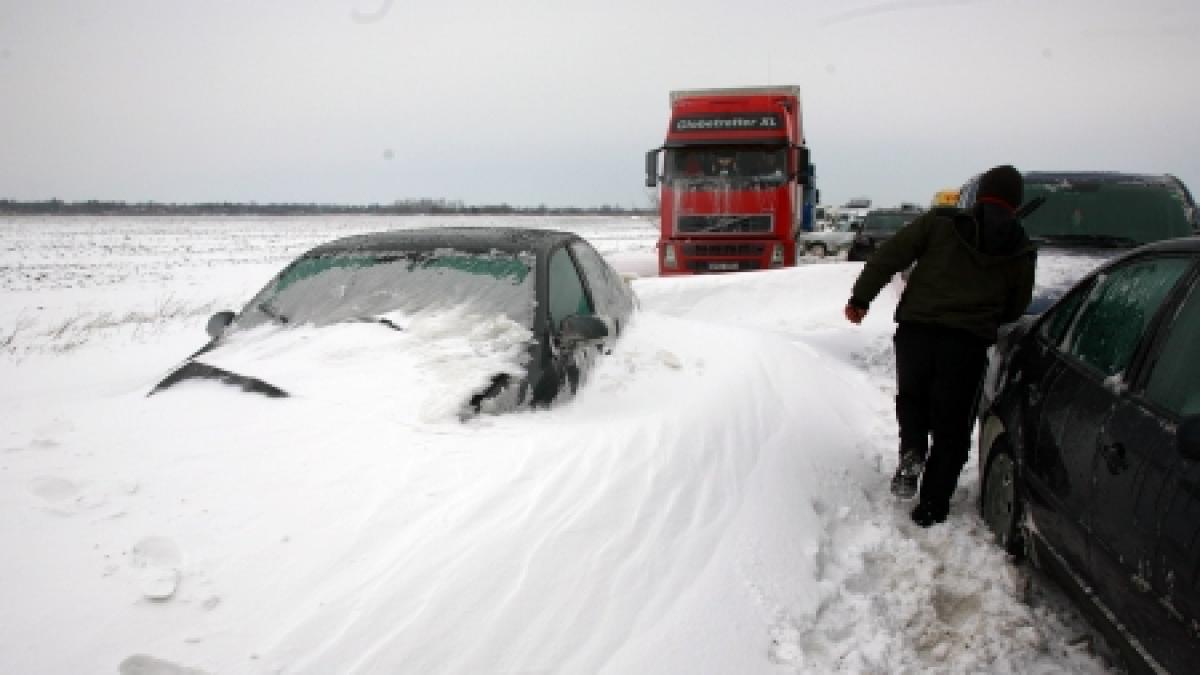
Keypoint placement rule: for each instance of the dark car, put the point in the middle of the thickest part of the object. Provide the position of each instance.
(1088, 217)
(554, 284)
(1089, 453)
(878, 226)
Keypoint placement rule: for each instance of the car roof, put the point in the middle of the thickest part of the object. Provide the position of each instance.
(1184, 244)
(1096, 177)
(511, 239)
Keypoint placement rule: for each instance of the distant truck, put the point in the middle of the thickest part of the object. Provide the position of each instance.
(737, 183)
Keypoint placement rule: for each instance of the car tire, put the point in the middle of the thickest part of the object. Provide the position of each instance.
(817, 250)
(1000, 504)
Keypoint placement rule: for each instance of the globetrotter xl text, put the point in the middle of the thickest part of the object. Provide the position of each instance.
(766, 121)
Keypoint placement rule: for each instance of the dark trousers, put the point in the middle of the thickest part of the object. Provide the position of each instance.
(939, 372)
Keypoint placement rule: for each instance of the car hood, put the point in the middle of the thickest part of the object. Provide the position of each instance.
(1058, 270)
(427, 369)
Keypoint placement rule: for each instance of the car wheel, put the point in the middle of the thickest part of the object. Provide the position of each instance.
(1001, 503)
(817, 250)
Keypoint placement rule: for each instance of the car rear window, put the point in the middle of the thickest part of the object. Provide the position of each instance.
(1140, 211)
(887, 222)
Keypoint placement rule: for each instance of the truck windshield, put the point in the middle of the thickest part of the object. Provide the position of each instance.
(1089, 212)
(730, 166)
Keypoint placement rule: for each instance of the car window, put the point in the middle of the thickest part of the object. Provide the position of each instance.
(608, 289)
(328, 288)
(566, 292)
(1141, 211)
(1058, 318)
(1175, 379)
(1118, 310)
(886, 222)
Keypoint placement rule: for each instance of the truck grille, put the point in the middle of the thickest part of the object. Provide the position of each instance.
(723, 224)
(718, 249)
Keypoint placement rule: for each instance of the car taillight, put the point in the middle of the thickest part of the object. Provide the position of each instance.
(777, 256)
(669, 261)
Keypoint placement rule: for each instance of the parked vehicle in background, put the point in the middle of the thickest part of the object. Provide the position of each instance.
(736, 180)
(833, 241)
(823, 218)
(1089, 453)
(947, 197)
(548, 293)
(879, 226)
(1089, 217)
(854, 211)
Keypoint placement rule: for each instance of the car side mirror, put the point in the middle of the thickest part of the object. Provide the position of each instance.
(583, 328)
(219, 322)
(1188, 437)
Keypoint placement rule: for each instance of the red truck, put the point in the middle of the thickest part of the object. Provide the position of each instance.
(737, 185)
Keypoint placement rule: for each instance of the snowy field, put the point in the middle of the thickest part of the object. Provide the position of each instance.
(713, 501)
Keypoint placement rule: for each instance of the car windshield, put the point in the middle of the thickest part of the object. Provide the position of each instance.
(1126, 213)
(329, 288)
(716, 166)
(886, 222)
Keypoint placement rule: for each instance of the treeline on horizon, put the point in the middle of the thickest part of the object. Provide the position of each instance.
(95, 207)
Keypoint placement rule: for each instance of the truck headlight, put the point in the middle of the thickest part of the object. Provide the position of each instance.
(669, 260)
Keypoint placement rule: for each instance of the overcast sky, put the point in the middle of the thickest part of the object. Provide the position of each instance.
(556, 101)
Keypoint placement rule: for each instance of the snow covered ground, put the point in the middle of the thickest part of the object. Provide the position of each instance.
(713, 501)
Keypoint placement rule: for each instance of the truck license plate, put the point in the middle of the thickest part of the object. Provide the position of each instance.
(723, 266)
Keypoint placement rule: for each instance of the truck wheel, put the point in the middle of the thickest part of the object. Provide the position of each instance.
(817, 250)
(1000, 505)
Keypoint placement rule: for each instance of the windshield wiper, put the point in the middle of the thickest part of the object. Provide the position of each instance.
(1103, 240)
(266, 308)
(382, 320)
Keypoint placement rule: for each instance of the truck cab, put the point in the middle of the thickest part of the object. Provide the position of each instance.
(736, 181)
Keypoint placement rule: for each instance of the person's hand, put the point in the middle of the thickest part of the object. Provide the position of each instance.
(854, 314)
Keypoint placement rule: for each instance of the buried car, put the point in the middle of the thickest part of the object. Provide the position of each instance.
(1089, 452)
(556, 302)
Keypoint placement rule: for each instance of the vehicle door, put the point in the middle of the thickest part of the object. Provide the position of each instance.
(567, 295)
(1146, 541)
(1097, 350)
(1057, 488)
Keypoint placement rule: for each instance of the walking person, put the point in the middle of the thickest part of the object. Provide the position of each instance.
(973, 271)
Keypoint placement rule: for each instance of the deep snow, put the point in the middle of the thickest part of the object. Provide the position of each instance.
(713, 501)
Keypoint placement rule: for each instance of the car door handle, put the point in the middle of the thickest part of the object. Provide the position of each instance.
(1114, 457)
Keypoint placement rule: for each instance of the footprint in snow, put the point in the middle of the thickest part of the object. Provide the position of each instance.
(53, 489)
(143, 664)
(157, 561)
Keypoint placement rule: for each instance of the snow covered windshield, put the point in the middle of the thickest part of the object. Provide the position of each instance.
(1094, 212)
(355, 285)
(714, 166)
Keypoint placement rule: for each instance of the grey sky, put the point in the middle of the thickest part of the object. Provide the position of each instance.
(556, 101)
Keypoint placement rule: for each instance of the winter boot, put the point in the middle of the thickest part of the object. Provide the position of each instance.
(926, 515)
(908, 474)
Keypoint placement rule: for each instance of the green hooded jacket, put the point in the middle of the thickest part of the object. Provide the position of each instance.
(973, 271)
